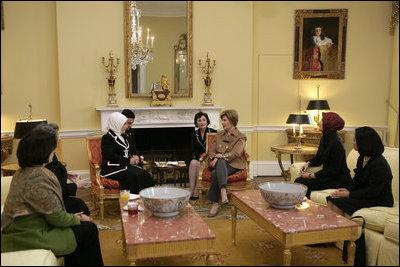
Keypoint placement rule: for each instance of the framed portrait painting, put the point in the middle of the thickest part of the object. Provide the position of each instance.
(320, 44)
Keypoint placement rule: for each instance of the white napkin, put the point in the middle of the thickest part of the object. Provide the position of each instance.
(133, 196)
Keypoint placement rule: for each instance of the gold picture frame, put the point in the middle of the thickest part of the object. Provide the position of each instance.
(320, 43)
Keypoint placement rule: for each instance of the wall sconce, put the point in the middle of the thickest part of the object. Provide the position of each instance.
(299, 119)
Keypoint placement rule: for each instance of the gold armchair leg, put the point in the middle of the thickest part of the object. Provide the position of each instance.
(101, 202)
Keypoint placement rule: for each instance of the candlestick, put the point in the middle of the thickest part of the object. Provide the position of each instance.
(152, 41)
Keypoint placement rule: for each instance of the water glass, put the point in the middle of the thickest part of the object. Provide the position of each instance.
(124, 195)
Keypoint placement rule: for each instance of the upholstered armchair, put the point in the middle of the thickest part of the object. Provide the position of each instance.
(101, 188)
(382, 223)
(237, 181)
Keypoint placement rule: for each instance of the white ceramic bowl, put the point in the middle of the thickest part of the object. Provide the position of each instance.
(164, 201)
(283, 195)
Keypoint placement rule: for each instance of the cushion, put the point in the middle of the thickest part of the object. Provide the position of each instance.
(320, 196)
(32, 257)
(376, 217)
(109, 183)
(391, 231)
(236, 177)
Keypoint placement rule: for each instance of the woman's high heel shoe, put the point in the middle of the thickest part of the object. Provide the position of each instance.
(210, 215)
(226, 202)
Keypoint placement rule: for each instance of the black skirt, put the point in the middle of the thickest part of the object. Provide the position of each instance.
(349, 205)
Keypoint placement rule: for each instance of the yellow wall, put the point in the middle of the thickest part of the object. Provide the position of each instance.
(51, 57)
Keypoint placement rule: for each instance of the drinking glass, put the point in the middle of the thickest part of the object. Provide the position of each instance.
(124, 195)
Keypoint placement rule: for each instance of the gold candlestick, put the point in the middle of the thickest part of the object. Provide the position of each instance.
(207, 69)
(111, 70)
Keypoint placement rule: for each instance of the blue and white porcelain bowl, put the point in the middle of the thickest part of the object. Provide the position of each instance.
(164, 201)
(283, 195)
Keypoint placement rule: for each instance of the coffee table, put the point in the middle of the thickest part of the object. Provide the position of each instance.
(307, 223)
(148, 236)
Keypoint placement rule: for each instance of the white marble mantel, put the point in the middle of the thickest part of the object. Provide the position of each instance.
(163, 117)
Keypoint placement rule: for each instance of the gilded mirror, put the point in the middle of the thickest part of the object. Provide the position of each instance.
(170, 22)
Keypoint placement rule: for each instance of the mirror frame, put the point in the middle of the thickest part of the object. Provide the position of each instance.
(128, 72)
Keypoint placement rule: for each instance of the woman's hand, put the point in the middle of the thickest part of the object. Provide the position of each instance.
(213, 162)
(134, 160)
(83, 217)
(341, 192)
(75, 178)
(305, 167)
(219, 156)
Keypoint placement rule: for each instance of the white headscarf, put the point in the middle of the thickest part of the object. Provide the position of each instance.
(115, 123)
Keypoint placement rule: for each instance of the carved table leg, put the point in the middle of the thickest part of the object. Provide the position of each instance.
(351, 251)
(287, 257)
(233, 213)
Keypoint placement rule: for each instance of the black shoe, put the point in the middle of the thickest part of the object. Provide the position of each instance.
(194, 198)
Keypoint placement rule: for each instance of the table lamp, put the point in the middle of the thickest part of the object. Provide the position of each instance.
(299, 119)
(22, 127)
(318, 105)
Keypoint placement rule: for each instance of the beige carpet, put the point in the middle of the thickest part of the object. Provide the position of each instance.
(254, 247)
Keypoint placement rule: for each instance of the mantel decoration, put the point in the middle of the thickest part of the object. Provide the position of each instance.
(111, 70)
(207, 69)
(160, 93)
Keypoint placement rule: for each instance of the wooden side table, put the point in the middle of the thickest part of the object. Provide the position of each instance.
(179, 172)
(291, 150)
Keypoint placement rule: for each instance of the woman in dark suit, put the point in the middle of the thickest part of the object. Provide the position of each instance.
(331, 154)
(372, 182)
(199, 138)
(118, 164)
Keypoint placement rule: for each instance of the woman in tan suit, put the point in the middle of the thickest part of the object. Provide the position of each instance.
(225, 158)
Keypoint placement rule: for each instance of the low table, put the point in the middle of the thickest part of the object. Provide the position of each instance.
(308, 223)
(180, 173)
(148, 236)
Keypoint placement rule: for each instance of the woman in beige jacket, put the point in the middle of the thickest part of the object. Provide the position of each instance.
(225, 158)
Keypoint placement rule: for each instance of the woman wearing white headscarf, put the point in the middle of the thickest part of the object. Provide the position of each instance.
(118, 163)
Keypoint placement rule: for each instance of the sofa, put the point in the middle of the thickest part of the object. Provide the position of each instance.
(32, 257)
(382, 223)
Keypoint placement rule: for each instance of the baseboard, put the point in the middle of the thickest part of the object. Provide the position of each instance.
(267, 168)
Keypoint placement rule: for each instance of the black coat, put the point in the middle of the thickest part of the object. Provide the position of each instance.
(373, 182)
(59, 170)
(130, 135)
(332, 155)
(198, 143)
(115, 153)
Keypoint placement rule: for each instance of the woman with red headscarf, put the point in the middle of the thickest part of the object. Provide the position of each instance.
(331, 154)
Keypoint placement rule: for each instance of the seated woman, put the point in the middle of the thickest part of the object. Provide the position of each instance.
(199, 138)
(331, 154)
(71, 202)
(372, 182)
(225, 156)
(118, 164)
(34, 215)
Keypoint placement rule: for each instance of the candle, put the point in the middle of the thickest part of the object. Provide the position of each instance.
(152, 41)
(294, 130)
(301, 129)
(147, 41)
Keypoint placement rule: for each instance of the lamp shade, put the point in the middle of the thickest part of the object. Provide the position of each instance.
(318, 105)
(299, 119)
(22, 127)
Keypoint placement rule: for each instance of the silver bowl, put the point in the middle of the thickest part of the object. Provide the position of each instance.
(283, 195)
(164, 201)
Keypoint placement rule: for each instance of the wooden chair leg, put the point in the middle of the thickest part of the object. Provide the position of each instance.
(101, 203)
(94, 199)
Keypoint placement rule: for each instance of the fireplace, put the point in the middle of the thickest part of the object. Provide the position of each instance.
(165, 144)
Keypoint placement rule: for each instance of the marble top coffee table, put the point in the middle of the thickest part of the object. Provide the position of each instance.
(148, 236)
(307, 223)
